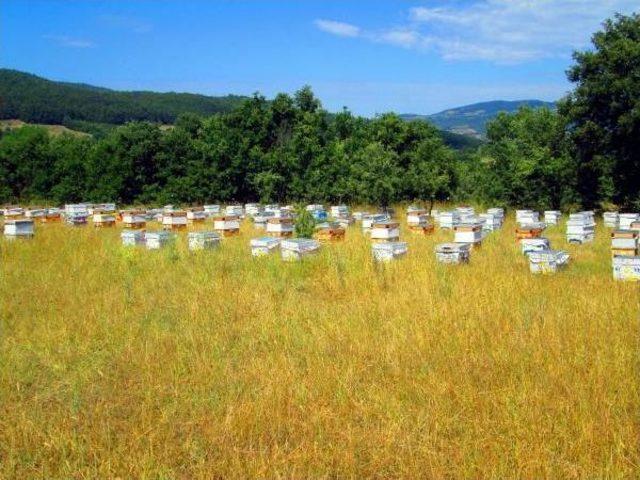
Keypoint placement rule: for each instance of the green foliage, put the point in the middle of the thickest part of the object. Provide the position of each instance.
(305, 223)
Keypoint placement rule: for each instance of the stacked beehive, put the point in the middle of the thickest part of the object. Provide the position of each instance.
(527, 217)
(385, 231)
(492, 222)
(453, 252)
(18, 227)
(203, 240)
(418, 222)
(103, 218)
(469, 232)
(226, 225)
(626, 219)
(580, 228)
(158, 240)
(369, 220)
(134, 219)
(624, 243)
(280, 226)
(552, 217)
(234, 211)
(76, 213)
(211, 210)
(132, 238)
(529, 230)
(298, 248)
(547, 261)
(174, 220)
(252, 209)
(385, 252)
(264, 246)
(329, 232)
(317, 211)
(529, 245)
(448, 220)
(610, 219)
(196, 215)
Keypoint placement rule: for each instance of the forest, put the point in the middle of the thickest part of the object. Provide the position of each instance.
(584, 155)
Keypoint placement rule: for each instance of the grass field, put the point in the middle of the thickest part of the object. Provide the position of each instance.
(137, 364)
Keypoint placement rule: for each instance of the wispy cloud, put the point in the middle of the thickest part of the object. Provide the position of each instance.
(69, 42)
(340, 29)
(125, 22)
(498, 31)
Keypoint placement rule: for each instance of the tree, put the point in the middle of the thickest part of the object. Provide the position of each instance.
(603, 113)
(378, 174)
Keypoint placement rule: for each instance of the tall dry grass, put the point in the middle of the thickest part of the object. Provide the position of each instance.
(135, 364)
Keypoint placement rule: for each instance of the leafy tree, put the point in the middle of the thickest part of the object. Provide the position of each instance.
(305, 223)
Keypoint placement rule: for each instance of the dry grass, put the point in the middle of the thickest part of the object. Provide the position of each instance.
(137, 364)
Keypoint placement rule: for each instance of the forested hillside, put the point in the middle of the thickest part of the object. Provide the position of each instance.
(34, 99)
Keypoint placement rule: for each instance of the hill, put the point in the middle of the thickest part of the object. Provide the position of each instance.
(34, 99)
(471, 119)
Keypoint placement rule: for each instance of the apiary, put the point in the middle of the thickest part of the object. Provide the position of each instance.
(547, 261)
(552, 217)
(18, 227)
(339, 211)
(624, 243)
(227, 225)
(131, 238)
(158, 240)
(211, 210)
(175, 220)
(529, 245)
(387, 231)
(453, 252)
(385, 252)
(531, 230)
(77, 219)
(626, 268)
(196, 215)
(134, 219)
(202, 240)
(525, 217)
(280, 227)
(449, 220)
(51, 215)
(626, 219)
(468, 233)
(103, 219)
(234, 211)
(491, 222)
(610, 219)
(264, 246)
(329, 231)
(580, 228)
(298, 248)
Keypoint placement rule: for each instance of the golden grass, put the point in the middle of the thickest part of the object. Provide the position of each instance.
(138, 364)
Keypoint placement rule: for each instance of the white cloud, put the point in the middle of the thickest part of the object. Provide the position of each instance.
(501, 31)
(69, 42)
(340, 29)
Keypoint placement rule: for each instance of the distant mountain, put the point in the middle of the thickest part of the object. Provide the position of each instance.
(33, 99)
(471, 120)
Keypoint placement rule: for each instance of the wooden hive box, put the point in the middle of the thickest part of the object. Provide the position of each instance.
(552, 217)
(196, 215)
(227, 225)
(529, 245)
(280, 227)
(533, 230)
(103, 219)
(19, 227)
(626, 219)
(626, 268)
(203, 240)
(131, 238)
(610, 219)
(468, 233)
(52, 215)
(77, 219)
(158, 240)
(134, 219)
(386, 252)
(297, 248)
(264, 246)
(453, 253)
(547, 261)
(388, 231)
(329, 232)
(174, 220)
(624, 240)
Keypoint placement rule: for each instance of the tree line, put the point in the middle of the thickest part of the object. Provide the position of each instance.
(584, 155)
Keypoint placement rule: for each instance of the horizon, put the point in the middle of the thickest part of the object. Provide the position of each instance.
(408, 57)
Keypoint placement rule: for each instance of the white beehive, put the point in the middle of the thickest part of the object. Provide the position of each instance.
(13, 212)
(526, 217)
(465, 211)
(103, 219)
(18, 227)
(77, 209)
(203, 240)
(227, 225)
(314, 206)
(385, 252)
(280, 227)
(491, 222)
(624, 242)
(35, 212)
(369, 220)
(168, 209)
(196, 215)
(449, 220)
(264, 246)
(626, 268)
(345, 222)
(211, 210)
(529, 245)
(610, 219)
(102, 208)
(387, 231)
(234, 211)
(175, 220)
(77, 219)
(298, 248)
(158, 240)
(497, 212)
(339, 211)
(134, 219)
(417, 218)
(626, 219)
(132, 238)
(468, 233)
(453, 252)
(252, 209)
(580, 228)
(359, 216)
(547, 261)
(552, 217)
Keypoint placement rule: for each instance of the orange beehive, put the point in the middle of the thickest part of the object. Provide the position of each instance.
(330, 234)
(423, 230)
(528, 232)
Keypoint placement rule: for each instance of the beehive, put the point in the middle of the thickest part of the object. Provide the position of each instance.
(465, 211)
(449, 220)
(18, 227)
(202, 240)
(260, 221)
(369, 220)
(610, 219)
(339, 211)
(234, 211)
(418, 218)
(196, 215)
(345, 222)
(552, 217)
(51, 215)
(491, 223)
(211, 210)
(280, 227)
(101, 208)
(264, 246)
(132, 238)
(532, 230)
(77, 209)
(547, 261)
(626, 268)
(174, 220)
(423, 229)
(168, 209)
(134, 219)
(529, 245)
(35, 213)
(319, 215)
(77, 219)
(526, 217)
(158, 240)
(387, 231)
(103, 219)
(298, 248)
(359, 216)
(626, 219)
(468, 233)
(635, 226)
(624, 243)
(329, 231)
(13, 212)
(580, 228)
(385, 252)
(226, 225)
(252, 209)
(496, 212)
(453, 252)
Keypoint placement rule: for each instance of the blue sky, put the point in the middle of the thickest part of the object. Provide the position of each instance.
(374, 56)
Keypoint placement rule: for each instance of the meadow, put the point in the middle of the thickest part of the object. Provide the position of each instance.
(127, 363)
